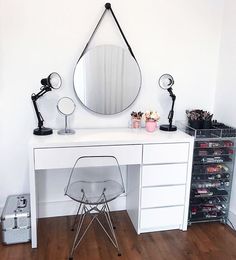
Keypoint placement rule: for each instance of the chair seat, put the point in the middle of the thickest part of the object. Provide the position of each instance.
(93, 191)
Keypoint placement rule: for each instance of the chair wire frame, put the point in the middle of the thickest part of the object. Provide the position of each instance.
(93, 206)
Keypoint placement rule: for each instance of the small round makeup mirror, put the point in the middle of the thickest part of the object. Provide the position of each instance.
(66, 107)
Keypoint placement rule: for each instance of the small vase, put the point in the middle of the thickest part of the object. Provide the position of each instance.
(151, 126)
(136, 123)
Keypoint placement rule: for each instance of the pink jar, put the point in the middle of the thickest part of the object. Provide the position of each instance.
(151, 126)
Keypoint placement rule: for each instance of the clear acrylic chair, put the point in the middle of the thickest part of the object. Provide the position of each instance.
(94, 181)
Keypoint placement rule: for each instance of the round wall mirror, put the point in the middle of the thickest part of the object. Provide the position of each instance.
(66, 107)
(107, 79)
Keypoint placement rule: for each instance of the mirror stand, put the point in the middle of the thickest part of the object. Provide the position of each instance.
(66, 130)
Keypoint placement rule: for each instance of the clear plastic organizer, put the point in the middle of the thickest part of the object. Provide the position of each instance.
(218, 130)
(212, 172)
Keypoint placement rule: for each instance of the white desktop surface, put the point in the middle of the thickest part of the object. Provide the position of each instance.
(108, 136)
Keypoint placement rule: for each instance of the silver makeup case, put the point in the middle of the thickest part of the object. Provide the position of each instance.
(15, 219)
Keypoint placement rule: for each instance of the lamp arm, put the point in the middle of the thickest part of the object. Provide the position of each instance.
(34, 98)
(39, 116)
(43, 90)
(171, 113)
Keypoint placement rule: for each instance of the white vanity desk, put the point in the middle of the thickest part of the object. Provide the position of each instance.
(158, 171)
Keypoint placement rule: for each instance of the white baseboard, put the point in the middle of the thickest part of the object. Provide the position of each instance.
(232, 218)
(69, 207)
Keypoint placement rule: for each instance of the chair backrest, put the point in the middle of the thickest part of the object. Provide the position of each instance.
(94, 169)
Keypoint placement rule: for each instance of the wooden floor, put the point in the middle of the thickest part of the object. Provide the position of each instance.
(202, 241)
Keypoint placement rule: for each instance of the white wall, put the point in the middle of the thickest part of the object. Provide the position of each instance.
(225, 99)
(38, 37)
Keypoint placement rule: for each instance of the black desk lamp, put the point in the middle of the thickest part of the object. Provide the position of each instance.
(166, 82)
(53, 81)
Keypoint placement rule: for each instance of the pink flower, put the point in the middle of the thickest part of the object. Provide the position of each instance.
(151, 115)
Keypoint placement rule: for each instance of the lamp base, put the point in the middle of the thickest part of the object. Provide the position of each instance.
(43, 131)
(168, 128)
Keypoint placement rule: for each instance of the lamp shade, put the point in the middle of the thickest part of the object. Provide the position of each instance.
(166, 81)
(53, 81)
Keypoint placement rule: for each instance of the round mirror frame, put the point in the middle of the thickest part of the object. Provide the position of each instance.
(72, 102)
(135, 95)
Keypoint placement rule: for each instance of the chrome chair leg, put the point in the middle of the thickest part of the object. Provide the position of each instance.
(114, 227)
(104, 210)
(81, 220)
(78, 236)
(85, 211)
(77, 214)
(75, 218)
(108, 217)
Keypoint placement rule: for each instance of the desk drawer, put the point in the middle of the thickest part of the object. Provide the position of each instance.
(65, 157)
(163, 196)
(162, 218)
(166, 174)
(165, 153)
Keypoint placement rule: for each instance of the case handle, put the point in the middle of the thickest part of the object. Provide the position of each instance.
(22, 202)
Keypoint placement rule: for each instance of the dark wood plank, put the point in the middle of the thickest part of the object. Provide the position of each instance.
(202, 241)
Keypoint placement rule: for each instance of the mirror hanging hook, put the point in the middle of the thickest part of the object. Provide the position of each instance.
(108, 6)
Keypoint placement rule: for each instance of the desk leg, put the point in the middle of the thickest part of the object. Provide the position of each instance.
(33, 200)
